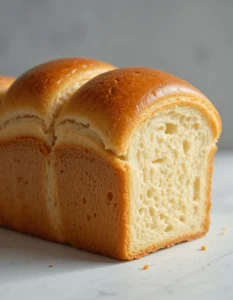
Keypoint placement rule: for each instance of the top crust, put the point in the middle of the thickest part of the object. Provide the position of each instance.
(115, 103)
(5, 83)
(39, 90)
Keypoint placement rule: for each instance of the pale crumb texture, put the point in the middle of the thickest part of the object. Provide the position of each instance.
(169, 160)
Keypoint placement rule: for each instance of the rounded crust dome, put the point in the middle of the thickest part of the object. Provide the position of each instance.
(5, 83)
(36, 90)
(118, 101)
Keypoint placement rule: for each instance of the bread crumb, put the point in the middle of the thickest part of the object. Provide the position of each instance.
(225, 228)
(145, 267)
(50, 266)
(203, 248)
(222, 233)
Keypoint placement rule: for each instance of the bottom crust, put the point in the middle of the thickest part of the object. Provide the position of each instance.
(167, 244)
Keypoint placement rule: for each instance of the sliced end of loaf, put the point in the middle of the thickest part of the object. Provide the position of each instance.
(171, 164)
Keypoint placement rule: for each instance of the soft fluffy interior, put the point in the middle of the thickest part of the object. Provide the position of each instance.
(169, 160)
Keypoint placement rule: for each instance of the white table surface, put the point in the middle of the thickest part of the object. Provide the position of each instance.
(176, 273)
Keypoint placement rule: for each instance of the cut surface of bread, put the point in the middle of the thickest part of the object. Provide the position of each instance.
(170, 157)
(122, 167)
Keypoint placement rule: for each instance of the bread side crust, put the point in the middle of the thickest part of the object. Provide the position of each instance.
(25, 213)
(101, 227)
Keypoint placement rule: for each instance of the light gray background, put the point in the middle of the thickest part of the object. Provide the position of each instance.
(192, 39)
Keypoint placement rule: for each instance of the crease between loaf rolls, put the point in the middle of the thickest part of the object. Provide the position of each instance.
(28, 111)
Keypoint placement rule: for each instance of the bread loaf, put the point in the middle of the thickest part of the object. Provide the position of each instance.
(122, 167)
(28, 111)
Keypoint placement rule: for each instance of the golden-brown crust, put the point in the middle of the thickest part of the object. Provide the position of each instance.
(206, 223)
(166, 244)
(5, 83)
(36, 90)
(23, 189)
(118, 101)
(92, 199)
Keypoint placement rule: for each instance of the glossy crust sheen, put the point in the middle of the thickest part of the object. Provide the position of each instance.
(36, 90)
(5, 83)
(118, 101)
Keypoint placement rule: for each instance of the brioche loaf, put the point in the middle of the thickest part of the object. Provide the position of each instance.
(122, 167)
(28, 111)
